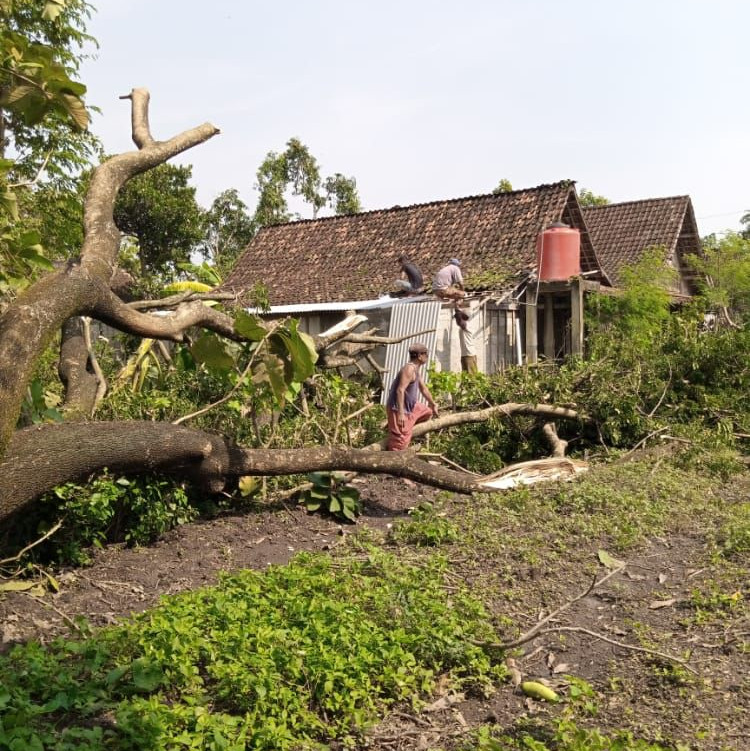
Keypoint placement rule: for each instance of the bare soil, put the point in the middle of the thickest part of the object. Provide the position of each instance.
(637, 690)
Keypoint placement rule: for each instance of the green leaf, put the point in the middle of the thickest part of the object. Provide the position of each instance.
(335, 505)
(322, 479)
(349, 513)
(248, 485)
(31, 238)
(146, 676)
(52, 9)
(249, 326)
(115, 674)
(9, 202)
(275, 371)
(212, 352)
(77, 110)
(17, 586)
(32, 256)
(350, 494)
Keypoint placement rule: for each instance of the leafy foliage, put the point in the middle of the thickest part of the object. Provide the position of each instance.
(292, 658)
(43, 124)
(160, 210)
(427, 527)
(228, 230)
(724, 274)
(297, 169)
(504, 186)
(331, 493)
(107, 509)
(587, 197)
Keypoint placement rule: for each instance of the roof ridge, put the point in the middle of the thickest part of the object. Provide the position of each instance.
(558, 184)
(639, 200)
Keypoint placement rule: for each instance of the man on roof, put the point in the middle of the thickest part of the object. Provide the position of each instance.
(448, 283)
(404, 409)
(411, 280)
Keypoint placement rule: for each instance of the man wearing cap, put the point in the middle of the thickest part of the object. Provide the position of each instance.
(404, 409)
(448, 283)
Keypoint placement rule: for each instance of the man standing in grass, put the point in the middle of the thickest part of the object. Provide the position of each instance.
(404, 409)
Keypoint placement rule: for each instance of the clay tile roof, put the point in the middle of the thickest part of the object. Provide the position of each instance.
(623, 232)
(348, 258)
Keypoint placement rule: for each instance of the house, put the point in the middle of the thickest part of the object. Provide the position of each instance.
(623, 232)
(318, 269)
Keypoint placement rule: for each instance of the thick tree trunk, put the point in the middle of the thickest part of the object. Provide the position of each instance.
(77, 376)
(83, 288)
(42, 457)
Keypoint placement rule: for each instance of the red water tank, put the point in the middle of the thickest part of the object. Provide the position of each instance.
(558, 253)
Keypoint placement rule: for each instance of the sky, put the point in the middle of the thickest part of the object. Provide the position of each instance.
(422, 101)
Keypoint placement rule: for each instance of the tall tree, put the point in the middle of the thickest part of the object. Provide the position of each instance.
(296, 169)
(228, 230)
(43, 121)
(159, 209)
(36, 459)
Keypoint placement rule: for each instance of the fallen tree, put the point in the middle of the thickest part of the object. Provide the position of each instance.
(37, 459)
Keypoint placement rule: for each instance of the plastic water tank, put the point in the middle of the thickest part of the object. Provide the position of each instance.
(558, 253)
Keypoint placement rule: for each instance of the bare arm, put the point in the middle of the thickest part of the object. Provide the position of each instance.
(428, 396)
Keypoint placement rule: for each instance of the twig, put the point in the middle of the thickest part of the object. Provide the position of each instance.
(643, 440)
(225, 398)
(358, 412)
(663, 393)
(71, 623)
(426, 455)
(47, 534)
(536, 630)
(101, 381)
(632, 647)
(29, 183)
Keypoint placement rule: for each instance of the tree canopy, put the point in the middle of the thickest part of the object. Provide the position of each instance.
(295, 169)
(159, 209)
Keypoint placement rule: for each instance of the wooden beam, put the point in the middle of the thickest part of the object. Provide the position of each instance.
(531, 329)
(576, 318)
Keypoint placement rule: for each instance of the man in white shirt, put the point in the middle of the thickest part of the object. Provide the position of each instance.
(448, 283)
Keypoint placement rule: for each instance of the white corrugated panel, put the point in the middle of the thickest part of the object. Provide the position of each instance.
(405, 320)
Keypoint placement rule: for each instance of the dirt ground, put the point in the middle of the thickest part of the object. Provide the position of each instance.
(640, 693)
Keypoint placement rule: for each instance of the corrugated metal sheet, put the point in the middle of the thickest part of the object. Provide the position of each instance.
(407, 319)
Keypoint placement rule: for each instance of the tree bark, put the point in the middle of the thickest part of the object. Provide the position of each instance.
(42, 457)
(78, 377)
(28, 325)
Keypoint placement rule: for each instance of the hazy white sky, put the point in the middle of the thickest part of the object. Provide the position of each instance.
(426, 100)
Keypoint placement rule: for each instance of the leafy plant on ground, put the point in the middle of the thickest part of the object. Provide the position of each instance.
(426, 527)
(291, 658)
(331, 494)
(105, 510)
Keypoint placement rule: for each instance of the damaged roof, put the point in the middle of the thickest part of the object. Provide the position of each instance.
(355, 257)
(623, 232)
